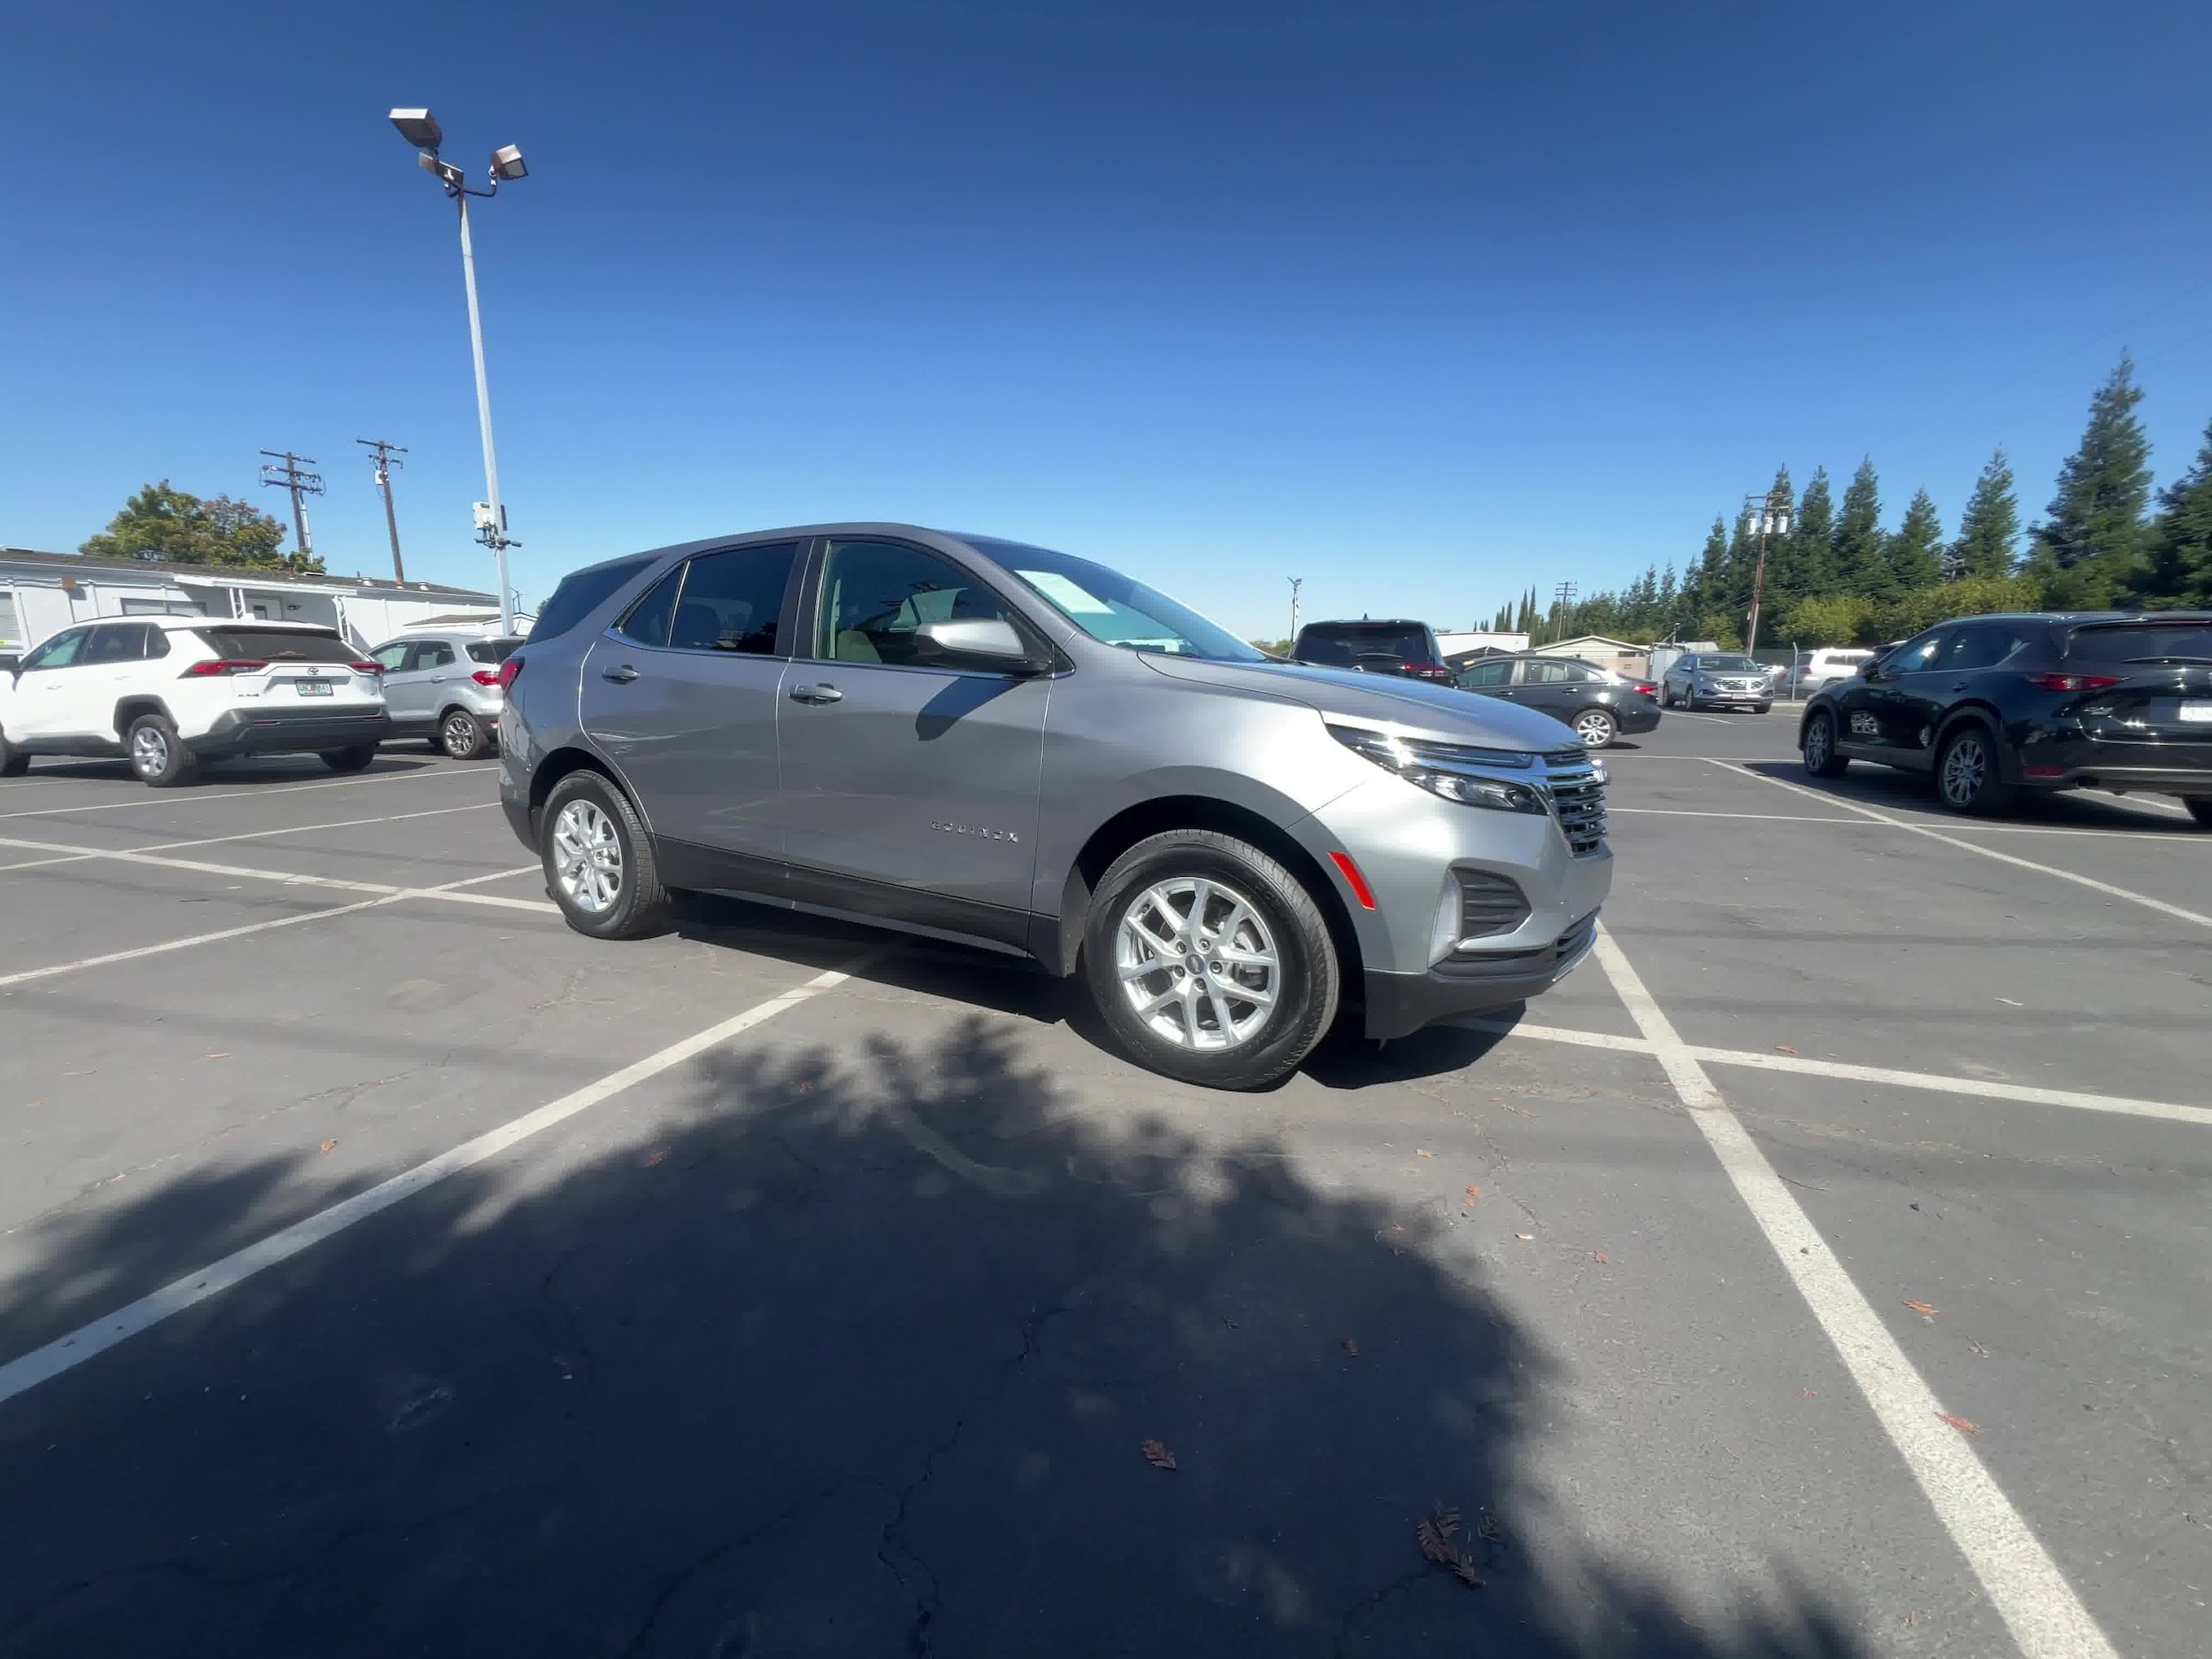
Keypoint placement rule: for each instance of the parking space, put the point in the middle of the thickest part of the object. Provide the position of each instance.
(384, 1266)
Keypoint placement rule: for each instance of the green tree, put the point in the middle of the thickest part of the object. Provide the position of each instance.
(1991, 524)
(1854, 550)
(2087, 548)
(1915, 554)
(1810, 564)
(2178, 568)
(1920, 608)
(1824, 619)
(161, 522)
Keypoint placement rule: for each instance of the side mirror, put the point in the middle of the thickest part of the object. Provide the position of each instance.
(10, 662)
(983, 641)
(1867, 669)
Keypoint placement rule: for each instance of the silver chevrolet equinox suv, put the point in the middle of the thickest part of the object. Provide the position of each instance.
(975, 739)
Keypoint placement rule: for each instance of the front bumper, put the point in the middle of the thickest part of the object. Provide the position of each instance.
(276, 731)
(1401, 1003)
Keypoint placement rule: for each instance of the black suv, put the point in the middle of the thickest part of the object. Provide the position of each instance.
(1598, 704)
(1992, 705)
(1376, 648)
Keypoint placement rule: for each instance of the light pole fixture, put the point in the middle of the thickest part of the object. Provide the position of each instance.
(421, 128)
(1769, 516)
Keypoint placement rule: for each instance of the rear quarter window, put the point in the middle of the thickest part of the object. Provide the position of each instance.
(582, 592)
(492, 650)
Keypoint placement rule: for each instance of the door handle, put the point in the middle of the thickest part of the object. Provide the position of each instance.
(1958, 685)
(816, 694)
(621, 676)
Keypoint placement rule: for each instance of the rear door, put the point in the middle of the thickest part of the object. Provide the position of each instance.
(681, 694)
(911, 786)
(1551, 687)
(112, 663)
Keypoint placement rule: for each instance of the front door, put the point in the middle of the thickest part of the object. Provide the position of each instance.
(681, 694)
(1911, 694)
(48, 687)
(403, 689)
(911, 786)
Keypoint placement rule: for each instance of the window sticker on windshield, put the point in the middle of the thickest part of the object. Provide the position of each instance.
(1066, 594)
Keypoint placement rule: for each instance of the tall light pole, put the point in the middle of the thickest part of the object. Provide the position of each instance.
(421, 128)
(1769, 516)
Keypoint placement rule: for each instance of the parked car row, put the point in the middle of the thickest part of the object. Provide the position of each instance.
(167, 693)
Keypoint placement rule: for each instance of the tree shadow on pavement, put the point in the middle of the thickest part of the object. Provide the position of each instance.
(849, 1351)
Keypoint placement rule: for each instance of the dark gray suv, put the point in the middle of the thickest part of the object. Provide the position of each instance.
(960, 735)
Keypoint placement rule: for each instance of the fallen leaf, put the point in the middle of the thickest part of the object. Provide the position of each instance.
(329, 1145)
(1464, 1570)
(655, 1157)
(1434, 1535)
(1602, 1258)
(1487, 1527)
(1525, 1238)
(1783, 1048)
(1810, 1394)
(1960, 1424)
(1156, 1453)
(223, 1055)
(2008, 1002)
(1351, 1346)
(1923, 1309)
(1423, 1152)
(1474, 1192)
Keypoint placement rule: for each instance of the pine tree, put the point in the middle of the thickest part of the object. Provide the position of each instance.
(2178, 569)
(1991, 524)
(1915, 553)
(1699, 578)
(1734, 593)
(2086, 550)
(1809, 536)
(1854, 550)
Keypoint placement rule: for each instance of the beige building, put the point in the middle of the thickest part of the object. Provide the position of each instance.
(1617, 655)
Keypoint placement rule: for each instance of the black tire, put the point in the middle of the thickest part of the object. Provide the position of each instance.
(462, 735)
(2200, 808)
(158, 758)
(354, 757)
(1689, 698)
(1966, 776)
(1305, 982)
(637, 907)
(13, 762)
(1666, 695)
(1820, 759)
(1597, 728)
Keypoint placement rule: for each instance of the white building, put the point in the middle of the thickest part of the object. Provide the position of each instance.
(40, 593)
(1483, 639)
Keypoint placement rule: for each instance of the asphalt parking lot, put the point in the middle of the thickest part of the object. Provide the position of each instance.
(384, 1268)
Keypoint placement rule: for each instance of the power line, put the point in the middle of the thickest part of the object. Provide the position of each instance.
(385, 463)
(292, 477)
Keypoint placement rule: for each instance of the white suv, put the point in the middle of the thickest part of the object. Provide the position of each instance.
(168, 692)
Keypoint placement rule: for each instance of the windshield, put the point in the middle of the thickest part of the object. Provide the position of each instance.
(2141, 642)
(1730, 665)
(1113, 609)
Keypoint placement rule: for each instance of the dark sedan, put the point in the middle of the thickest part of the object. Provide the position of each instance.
(1598, 704)
(1992, 705)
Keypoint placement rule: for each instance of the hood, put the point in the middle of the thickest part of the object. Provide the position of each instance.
(1422, 709)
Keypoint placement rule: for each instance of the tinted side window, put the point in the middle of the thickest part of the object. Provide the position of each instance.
(1982, 647)
(59, 652)
(1914, 655)
(647, 621)
(1544, 674)
(1487, 674)
(392, 657)
(875, 595)
(156, 641)
(733, 601)
(492, 650)
(583, 593)
(434, 654)
(117, 643)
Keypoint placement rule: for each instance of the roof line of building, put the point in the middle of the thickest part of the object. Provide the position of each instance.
(227, 574)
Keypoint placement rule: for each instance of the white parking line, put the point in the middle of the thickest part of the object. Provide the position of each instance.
(1674, 812)
(250, 835)
(41, 1364)
(1815, 818)
(2143, 899)
(2046, 1617)
(1684, 714)
(1935, 1082)
(185, 797)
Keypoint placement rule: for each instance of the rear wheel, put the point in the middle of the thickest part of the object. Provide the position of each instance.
(599, 862)
(354, 757)
(158, 756)
(2200, 809)
(462, 735)
(1210, 962)
(1597, 728)
(1966, 773)
(1820, 759)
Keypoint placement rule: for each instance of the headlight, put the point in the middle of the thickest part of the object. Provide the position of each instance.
(1453, 770)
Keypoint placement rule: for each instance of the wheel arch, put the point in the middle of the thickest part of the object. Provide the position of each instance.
(571, 757)
(1983, 715)
(130, 708)
(1159, 813)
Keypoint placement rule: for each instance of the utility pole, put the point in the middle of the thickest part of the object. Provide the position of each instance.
(1296, 582)
(384, 452)
(1769, 515)
(1563, 607)
(292, 477)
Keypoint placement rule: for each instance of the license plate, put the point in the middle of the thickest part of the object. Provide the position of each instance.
(313, 687)
(2197, 713)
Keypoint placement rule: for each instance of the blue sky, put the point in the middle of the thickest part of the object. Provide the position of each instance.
(1424, 303)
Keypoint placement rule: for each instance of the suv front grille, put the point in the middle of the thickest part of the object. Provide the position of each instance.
(1489, 904)
(1577, 792)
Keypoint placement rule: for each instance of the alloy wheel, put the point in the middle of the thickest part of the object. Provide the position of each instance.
(149, 750)
(458, 733)
(588, 856)
(1817, 742)
(1594, 729)
(1965, 766)
(1197, 963)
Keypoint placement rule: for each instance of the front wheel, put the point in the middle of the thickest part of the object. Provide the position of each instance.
(1966, 774)
(1210, 961)
(1597, 728)
(2200, 808)
(1820, 759)
(13, 762)
(158, 756)
(462, 735)
(353, 758)
(599, 862)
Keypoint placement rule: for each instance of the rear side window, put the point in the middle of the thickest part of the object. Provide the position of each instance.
(2141, 642)
(1487, 674)
(1984, 646)
(1561, 674)
(582, 592)
(269, 645)
(117, 643)
(733, 601)
(647, 621)
(496, 650)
